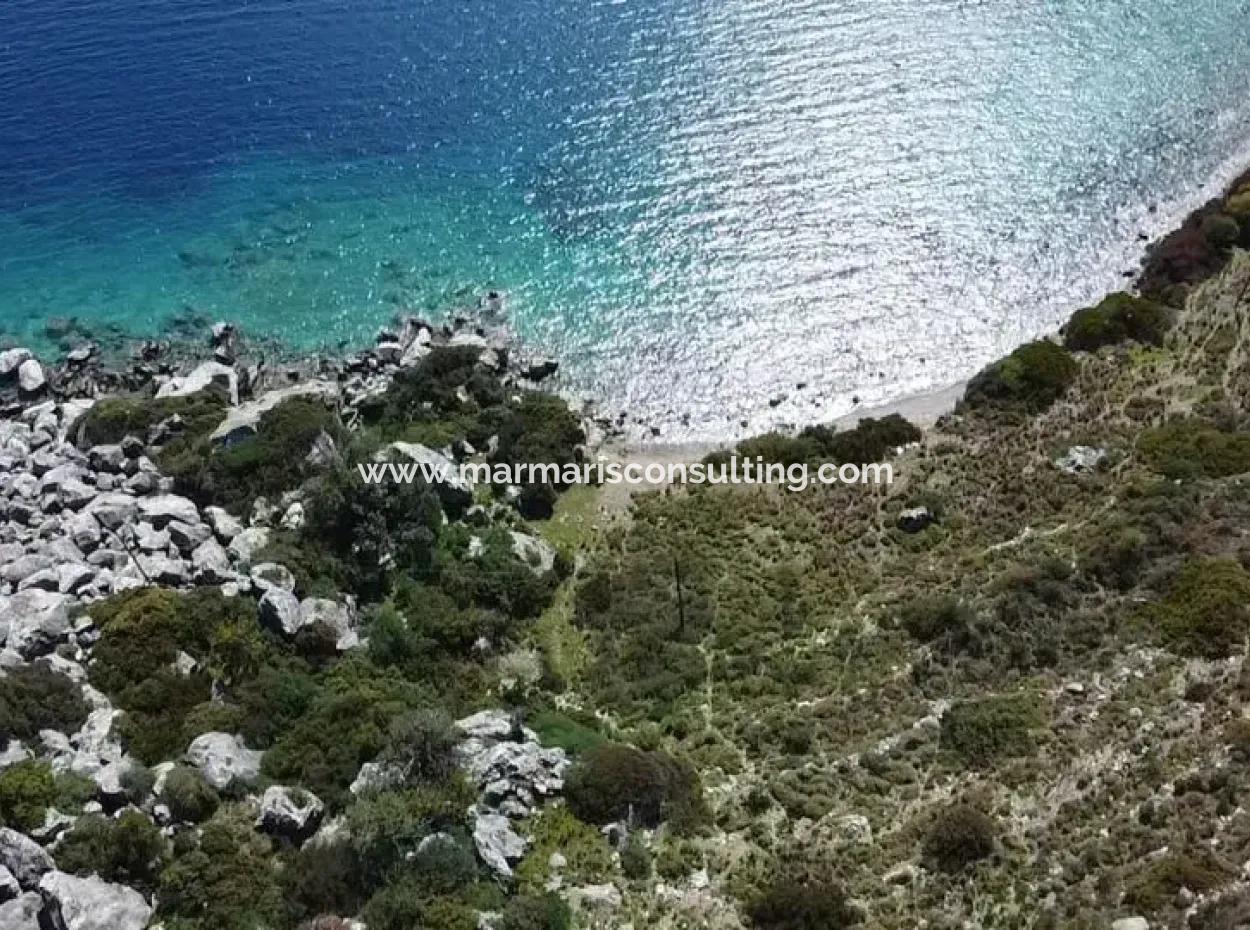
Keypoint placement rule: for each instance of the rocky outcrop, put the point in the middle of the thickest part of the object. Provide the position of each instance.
(206, 374)
(24, 858)
(290, 813)
(22, 913)
(498, 845)
(241, 422)
(73, 903)
(514, 776)
(223, 759)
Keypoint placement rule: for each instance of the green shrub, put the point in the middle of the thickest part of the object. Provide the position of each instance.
(959, 836)
(129, 850)
(1156, 886)
(112, 419)
(536, 912)
(374, 531)
(587, 856)
(941, 620)
(344, 726)
(387, 828)
(636, 861)
(871, 440)
(1206, 612)
(775, 448)
(1031, 378)
(573, 736)
(1118, 318)
(33, 698)
(264, 465)
(406, 904)
(540, 429)
(223, 878)
(424, 743)
(27, 790)
(1188, 447)
(188, 796)
(802, 904)
(1221, 230)
(982, 732)
(617, 782)
(141, 633)
(1237, 738)
(325, 877)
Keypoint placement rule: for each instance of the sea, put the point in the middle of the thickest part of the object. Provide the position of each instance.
(720, 215)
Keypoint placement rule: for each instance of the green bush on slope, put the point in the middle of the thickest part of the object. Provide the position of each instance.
(1031, 378)
(1118, 318)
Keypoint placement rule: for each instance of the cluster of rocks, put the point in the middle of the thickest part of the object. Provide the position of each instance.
(35, 895)
(78, 526)
(514, 775)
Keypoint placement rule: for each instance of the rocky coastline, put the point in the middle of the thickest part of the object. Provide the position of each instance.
(225, 666)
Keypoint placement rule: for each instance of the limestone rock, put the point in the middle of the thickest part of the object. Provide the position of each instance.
(24, 858)
(33, 621)
(202, 376)
(222, 759)
(241, 422)
(22, 913)
(280, 611)
(92, 904)
(30, 376)
(290, 812)
(498, 845)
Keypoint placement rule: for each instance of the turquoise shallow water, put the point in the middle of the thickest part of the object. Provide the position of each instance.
(699, 205)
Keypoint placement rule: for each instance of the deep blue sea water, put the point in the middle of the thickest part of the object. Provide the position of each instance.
(699, 204)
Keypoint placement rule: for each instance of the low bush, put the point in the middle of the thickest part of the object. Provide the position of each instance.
(324, 877)
(27, 790)
(1206, 612)
(1156, 886)
(405, 904)
(423, 743)
(536, 912)
(33, 698)
(1031, 378)
(636, 861)
(141, 633)
(1118, 318)
(129, 850)
(345, 725)
(802, 904)
(112, 419)
(959, 836)
(188, 796)
(618, 782)
(984, 731)
(871, 440)
(374, 532)
(945, 622)
(1189, 448)
(222, 878)
(587, 855)
(539, 429)
(387, 828)
(267, 464)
